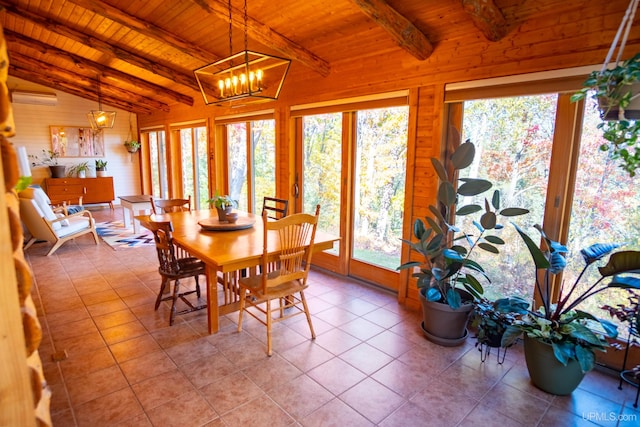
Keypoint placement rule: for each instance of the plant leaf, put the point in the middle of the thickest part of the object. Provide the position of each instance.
(410, 264)
(453, 298)
(510, 336)
(488, 220)
(495, 200)
(488, 247)
(463, 156)
(434, 225)
(468, 209)
(446, 193)
(557, 262)
(514, 211)
(433, 294)
(625, 282)
(473, 186)
(621, 262)
(494, 239)
(586, 357)
(597, 251)
(539, 259)
(440, 170)
(563, 352)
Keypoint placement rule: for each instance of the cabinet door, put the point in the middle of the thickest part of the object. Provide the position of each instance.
(64, 189)
(99, 190)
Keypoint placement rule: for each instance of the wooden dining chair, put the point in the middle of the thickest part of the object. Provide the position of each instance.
(284, 276)
(275, 208)
(161, 206)
(173, 268)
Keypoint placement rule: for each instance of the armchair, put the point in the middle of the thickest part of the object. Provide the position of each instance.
(44, 224)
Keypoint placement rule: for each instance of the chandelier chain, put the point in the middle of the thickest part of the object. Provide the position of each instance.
(246, 43)
(230, 31)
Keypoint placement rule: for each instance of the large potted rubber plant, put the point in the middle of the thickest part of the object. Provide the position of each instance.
(448, 277)
(560, 340)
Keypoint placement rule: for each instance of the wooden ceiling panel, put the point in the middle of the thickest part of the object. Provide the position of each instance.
(144, 45)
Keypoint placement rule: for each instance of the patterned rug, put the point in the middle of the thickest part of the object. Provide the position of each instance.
(114, 234)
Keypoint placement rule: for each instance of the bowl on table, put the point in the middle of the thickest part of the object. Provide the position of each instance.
(232, 217)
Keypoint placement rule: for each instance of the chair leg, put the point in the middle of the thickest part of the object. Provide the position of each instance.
(176, 288)
(269, 328)
(163, 287)
(242, 306)
(306, 312)
(197, 285)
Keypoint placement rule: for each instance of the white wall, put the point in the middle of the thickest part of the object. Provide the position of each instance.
(32, 131)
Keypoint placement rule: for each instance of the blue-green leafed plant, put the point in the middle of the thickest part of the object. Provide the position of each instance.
(446, 248)
(572, 333)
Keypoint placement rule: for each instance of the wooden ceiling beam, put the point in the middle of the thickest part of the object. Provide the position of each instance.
(487, 17)
(266, 35)
(49, 81)
(145, 28)
(87, 83)
(400, 28)
(95, 67)
(112, 51)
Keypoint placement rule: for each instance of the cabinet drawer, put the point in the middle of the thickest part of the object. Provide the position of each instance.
(58, 190)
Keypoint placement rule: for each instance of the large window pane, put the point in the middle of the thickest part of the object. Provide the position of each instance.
(264, 160)
(606, 209)
(381, 153)
(322, 165)
(513, 138)
(237, 152)
(202, 172)
(157, 159)
(186, 153)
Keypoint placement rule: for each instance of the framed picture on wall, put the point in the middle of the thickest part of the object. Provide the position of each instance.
(72, 141)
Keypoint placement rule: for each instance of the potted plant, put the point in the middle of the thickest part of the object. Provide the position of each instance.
(559, 339)
(101, 167)
(223, 204)
(617, 91)
(448, 277)
(50, 158)
(79, 170)
(132, 146)
(491, 319)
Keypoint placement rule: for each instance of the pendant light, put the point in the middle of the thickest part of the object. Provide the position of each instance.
(100, 119)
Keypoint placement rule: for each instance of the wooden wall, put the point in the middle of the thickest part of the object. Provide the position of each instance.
(562, 34)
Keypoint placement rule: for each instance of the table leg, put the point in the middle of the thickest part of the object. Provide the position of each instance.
(136, 223)
(127, 215)
(212, 299)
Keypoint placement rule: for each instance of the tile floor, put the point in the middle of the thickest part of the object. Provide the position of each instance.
(368, 366)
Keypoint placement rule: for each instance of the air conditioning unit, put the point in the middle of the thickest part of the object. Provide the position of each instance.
(37, 98)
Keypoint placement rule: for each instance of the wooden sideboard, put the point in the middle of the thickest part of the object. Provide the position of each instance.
(92, 190)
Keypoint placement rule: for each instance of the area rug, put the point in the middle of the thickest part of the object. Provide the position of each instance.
(116, 235)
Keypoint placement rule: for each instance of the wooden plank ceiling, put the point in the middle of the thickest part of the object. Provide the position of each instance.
(144, 51)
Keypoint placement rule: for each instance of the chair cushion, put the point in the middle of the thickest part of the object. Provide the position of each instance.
(42, 202)
(76, 224)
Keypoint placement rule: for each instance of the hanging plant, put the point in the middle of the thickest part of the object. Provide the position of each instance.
(132, 146)
(617, 91)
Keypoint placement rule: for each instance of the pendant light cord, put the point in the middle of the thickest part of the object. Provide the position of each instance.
(627, 21)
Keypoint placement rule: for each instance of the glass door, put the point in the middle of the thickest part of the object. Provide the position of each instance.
(195, 169)
(158, 163)
(353, 165)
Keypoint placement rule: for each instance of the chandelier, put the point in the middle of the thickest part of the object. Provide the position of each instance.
(100, 119)
(246, 75)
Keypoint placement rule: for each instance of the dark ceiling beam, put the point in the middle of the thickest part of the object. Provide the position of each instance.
(266, 35)
(400, 28)
(94, 67)
(86, 83)
(49, 24)
(145, 28)
(52, 82)
(487, 17)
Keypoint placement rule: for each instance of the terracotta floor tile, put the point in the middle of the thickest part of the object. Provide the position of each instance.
(190, 409)
(307, 355)
(259, 412)
(383, 317)
(358, 306)
(187, 352)
(366, 358)
(336, 375)
(372, 399)
(174, 335)
(63, 331)
(337, 341)
(99, 297)
(161, 389)
(106, 307)
(123, 332)
(361, 328)
(134, 348)
(208, 369)
(227, 393)
(67, 316)
(147, 366)
(410, 414)
(95, 384)
(559, 417)
(301, 396)
(81, 343)
(582, 402)
(82, 364)
(111, 409)
(503, 397)
(116, 318)
(482, 416)
(445, 403)
(337, 414)
(390, 343)
(336, 316)
(275, 371)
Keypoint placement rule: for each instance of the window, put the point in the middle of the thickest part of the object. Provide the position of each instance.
(158, 163)
(195, 169)
(251, 152)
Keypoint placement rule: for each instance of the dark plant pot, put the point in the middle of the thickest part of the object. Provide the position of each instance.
(492, 339)
(222, 213)
(443, 325)
(57, 171)
(546, 372)
(632, 112)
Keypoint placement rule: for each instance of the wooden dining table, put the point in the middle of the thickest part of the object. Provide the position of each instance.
(225, 252)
